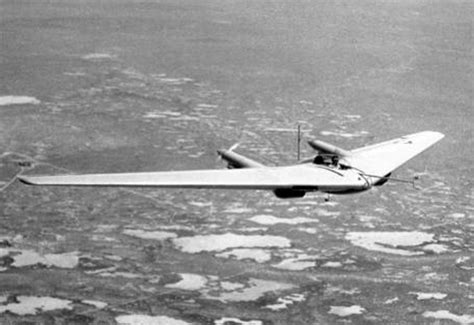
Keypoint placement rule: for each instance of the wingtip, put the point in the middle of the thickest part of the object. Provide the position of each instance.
(25, 180)
(435, 134)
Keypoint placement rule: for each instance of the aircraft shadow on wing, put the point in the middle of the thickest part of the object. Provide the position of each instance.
(333, 170)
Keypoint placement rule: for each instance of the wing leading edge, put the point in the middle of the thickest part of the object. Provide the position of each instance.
(382, 158)
(300, 176)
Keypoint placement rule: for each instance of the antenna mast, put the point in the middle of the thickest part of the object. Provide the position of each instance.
(298, 142)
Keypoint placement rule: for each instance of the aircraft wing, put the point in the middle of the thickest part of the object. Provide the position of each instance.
(306, 176)
(382, 158)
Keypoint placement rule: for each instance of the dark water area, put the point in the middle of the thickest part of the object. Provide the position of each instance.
(115, 86)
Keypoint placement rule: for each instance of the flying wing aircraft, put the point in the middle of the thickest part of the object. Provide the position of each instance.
(333, 170)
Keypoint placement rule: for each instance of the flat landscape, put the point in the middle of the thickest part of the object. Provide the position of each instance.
(124, 86)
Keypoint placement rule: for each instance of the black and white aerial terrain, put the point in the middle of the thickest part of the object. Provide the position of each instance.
(128, 86)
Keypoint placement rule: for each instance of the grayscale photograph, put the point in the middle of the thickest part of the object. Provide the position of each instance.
(236, 162)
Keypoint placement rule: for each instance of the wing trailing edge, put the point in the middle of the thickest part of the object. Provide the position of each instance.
(308, 177)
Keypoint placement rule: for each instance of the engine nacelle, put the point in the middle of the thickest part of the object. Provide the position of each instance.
(326, 148)
(234, 160)
(285, 193)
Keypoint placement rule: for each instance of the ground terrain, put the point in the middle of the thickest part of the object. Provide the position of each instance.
(115, 86)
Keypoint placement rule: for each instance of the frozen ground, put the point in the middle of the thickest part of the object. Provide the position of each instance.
(115, 85)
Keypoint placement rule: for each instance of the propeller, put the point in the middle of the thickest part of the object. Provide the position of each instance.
(234, 146)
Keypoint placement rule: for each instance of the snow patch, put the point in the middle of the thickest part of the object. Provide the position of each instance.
(271, 220)
(238, 210)
(154, 115)
(226, 320)
(200, 204)
(343, 311)
(113, 258)
(391, 301)
(295, 260)
(222, 242)
(4, 252)
(203, 105)
(311, 231)
(103, 270)
(189, 281)
(98, 56)
(283, 303)
(436, 277)
(332, 264)
(75, 74)
(231, 286)
(444, 314)
(28, 305)
(388, 242)
(175, 81)
(254, 289)
(353, 116)
(465, 263)
(97, 304)
(253, 229)
(456, 215)
(127, 275)
(326, 213)
(436, 248)
(29, 257)
(274, 129)
(294, 264)
(185, 118)
(344, 134)
(18, 100)
(105, 228)
(258, 255)
(156, 235)
(428, 295)
(339, 289)
(148, 320)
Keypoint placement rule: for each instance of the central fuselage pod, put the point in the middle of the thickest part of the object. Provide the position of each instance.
(363, 183)
(360, 183)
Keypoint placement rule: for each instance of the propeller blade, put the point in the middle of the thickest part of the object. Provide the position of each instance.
(234, 146)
